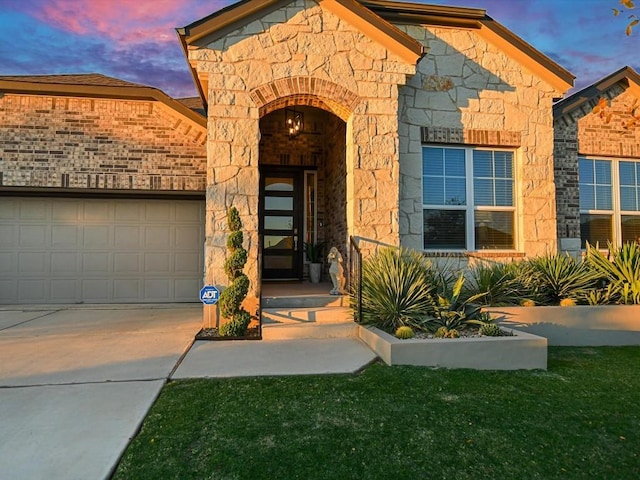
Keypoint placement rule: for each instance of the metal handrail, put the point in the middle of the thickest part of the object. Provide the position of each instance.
(355, 278)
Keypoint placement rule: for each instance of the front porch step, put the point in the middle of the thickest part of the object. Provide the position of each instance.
(313, 322)
(305, 301)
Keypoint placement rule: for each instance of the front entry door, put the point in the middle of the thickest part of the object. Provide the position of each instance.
(281, 222)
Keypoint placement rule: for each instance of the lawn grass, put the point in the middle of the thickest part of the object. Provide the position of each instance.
(578, 420)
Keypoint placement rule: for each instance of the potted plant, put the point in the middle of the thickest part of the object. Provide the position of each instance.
(314, 253)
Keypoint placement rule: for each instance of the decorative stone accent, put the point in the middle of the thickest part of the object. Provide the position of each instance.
(489, 138)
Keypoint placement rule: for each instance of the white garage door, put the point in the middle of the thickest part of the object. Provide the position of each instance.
(55, 250)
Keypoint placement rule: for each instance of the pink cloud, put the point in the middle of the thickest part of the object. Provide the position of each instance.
(122, 21)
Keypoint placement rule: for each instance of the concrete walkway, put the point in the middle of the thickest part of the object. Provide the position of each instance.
(77, 382)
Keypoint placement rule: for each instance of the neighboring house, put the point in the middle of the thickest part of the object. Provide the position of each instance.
(407, 124)
(597, 163)
(424, 126)
(102, 192)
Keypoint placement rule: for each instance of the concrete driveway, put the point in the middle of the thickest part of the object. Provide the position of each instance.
(76, 383)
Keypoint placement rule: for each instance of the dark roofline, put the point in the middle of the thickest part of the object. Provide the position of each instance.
(132, 92)
(625, 75)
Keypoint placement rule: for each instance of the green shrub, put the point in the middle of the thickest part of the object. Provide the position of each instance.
(499, 283)
(237, 326)
(396, 289)
(621, 272)
(234, 264)
(453, 312)
(559, 276)
(231, 298)
(404, 332)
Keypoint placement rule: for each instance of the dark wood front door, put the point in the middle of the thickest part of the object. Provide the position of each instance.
(281, 222)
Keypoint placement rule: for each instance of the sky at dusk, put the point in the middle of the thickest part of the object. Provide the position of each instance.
(135, 40)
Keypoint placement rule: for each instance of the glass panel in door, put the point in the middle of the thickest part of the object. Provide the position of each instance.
(281, 224)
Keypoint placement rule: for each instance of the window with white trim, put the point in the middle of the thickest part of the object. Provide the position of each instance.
(468, 200)
(609, 200)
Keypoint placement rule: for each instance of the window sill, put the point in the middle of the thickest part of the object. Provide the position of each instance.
(474, 254)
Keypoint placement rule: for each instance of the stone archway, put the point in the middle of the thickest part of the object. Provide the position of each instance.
(311, 206)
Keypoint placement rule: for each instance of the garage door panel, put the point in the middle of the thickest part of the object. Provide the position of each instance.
(157, 262)
(64, 236)
(127, 236)
(127, 263)
(64, 262)
(157, 289)
(97, 211)
(127, 290)
(95, 262)
(60, 250)
(96, 236)
(187, 262)
(32, 209)
(128, 212)
(65, 290)
(96, 290)
(184, 288)
(33, 236)
(158, 213)
(8, 291)
(9, 235)
(33, 291)
(157, 237)
(65, 212)
(186, 237)
(8, 263)
(33, 262)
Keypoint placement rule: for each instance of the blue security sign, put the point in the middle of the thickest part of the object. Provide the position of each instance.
(209, 295)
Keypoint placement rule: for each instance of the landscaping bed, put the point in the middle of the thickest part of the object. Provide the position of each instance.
(521, 350)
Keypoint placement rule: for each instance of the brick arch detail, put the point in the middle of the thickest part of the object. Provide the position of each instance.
(308, 91)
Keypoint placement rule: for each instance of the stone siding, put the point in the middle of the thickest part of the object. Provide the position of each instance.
(581, 132)
(300, 54)
(87, 143)
(469, 92)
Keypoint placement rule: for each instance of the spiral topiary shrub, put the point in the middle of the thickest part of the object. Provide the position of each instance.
(231, 298)
(404, 333)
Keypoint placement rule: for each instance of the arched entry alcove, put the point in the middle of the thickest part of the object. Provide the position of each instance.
(303, 184)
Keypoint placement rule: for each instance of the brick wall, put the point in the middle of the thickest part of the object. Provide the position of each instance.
(85, 143)
(580, 132)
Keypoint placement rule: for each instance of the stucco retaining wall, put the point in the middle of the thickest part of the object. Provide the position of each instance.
(523, 351)
(582, 325)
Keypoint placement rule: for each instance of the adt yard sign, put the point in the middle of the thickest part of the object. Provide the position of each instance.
(209, 295)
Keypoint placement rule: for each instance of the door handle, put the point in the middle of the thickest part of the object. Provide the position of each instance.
(295, 239)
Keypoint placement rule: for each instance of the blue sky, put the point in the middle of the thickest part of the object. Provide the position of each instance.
(135, 39)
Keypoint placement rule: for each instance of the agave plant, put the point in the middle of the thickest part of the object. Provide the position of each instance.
(621, 271)
(501, 283)
(396, 289)
(453, 311)
(558, 276)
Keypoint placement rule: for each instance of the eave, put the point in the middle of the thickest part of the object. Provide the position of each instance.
(110, 92)
(626, 76)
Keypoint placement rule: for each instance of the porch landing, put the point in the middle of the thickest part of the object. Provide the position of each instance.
(302, 310)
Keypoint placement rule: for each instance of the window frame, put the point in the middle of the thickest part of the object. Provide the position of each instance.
(470, 208)
(616, 213)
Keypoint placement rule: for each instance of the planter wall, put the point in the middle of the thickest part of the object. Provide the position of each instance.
(523, 351)
(582, 325)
